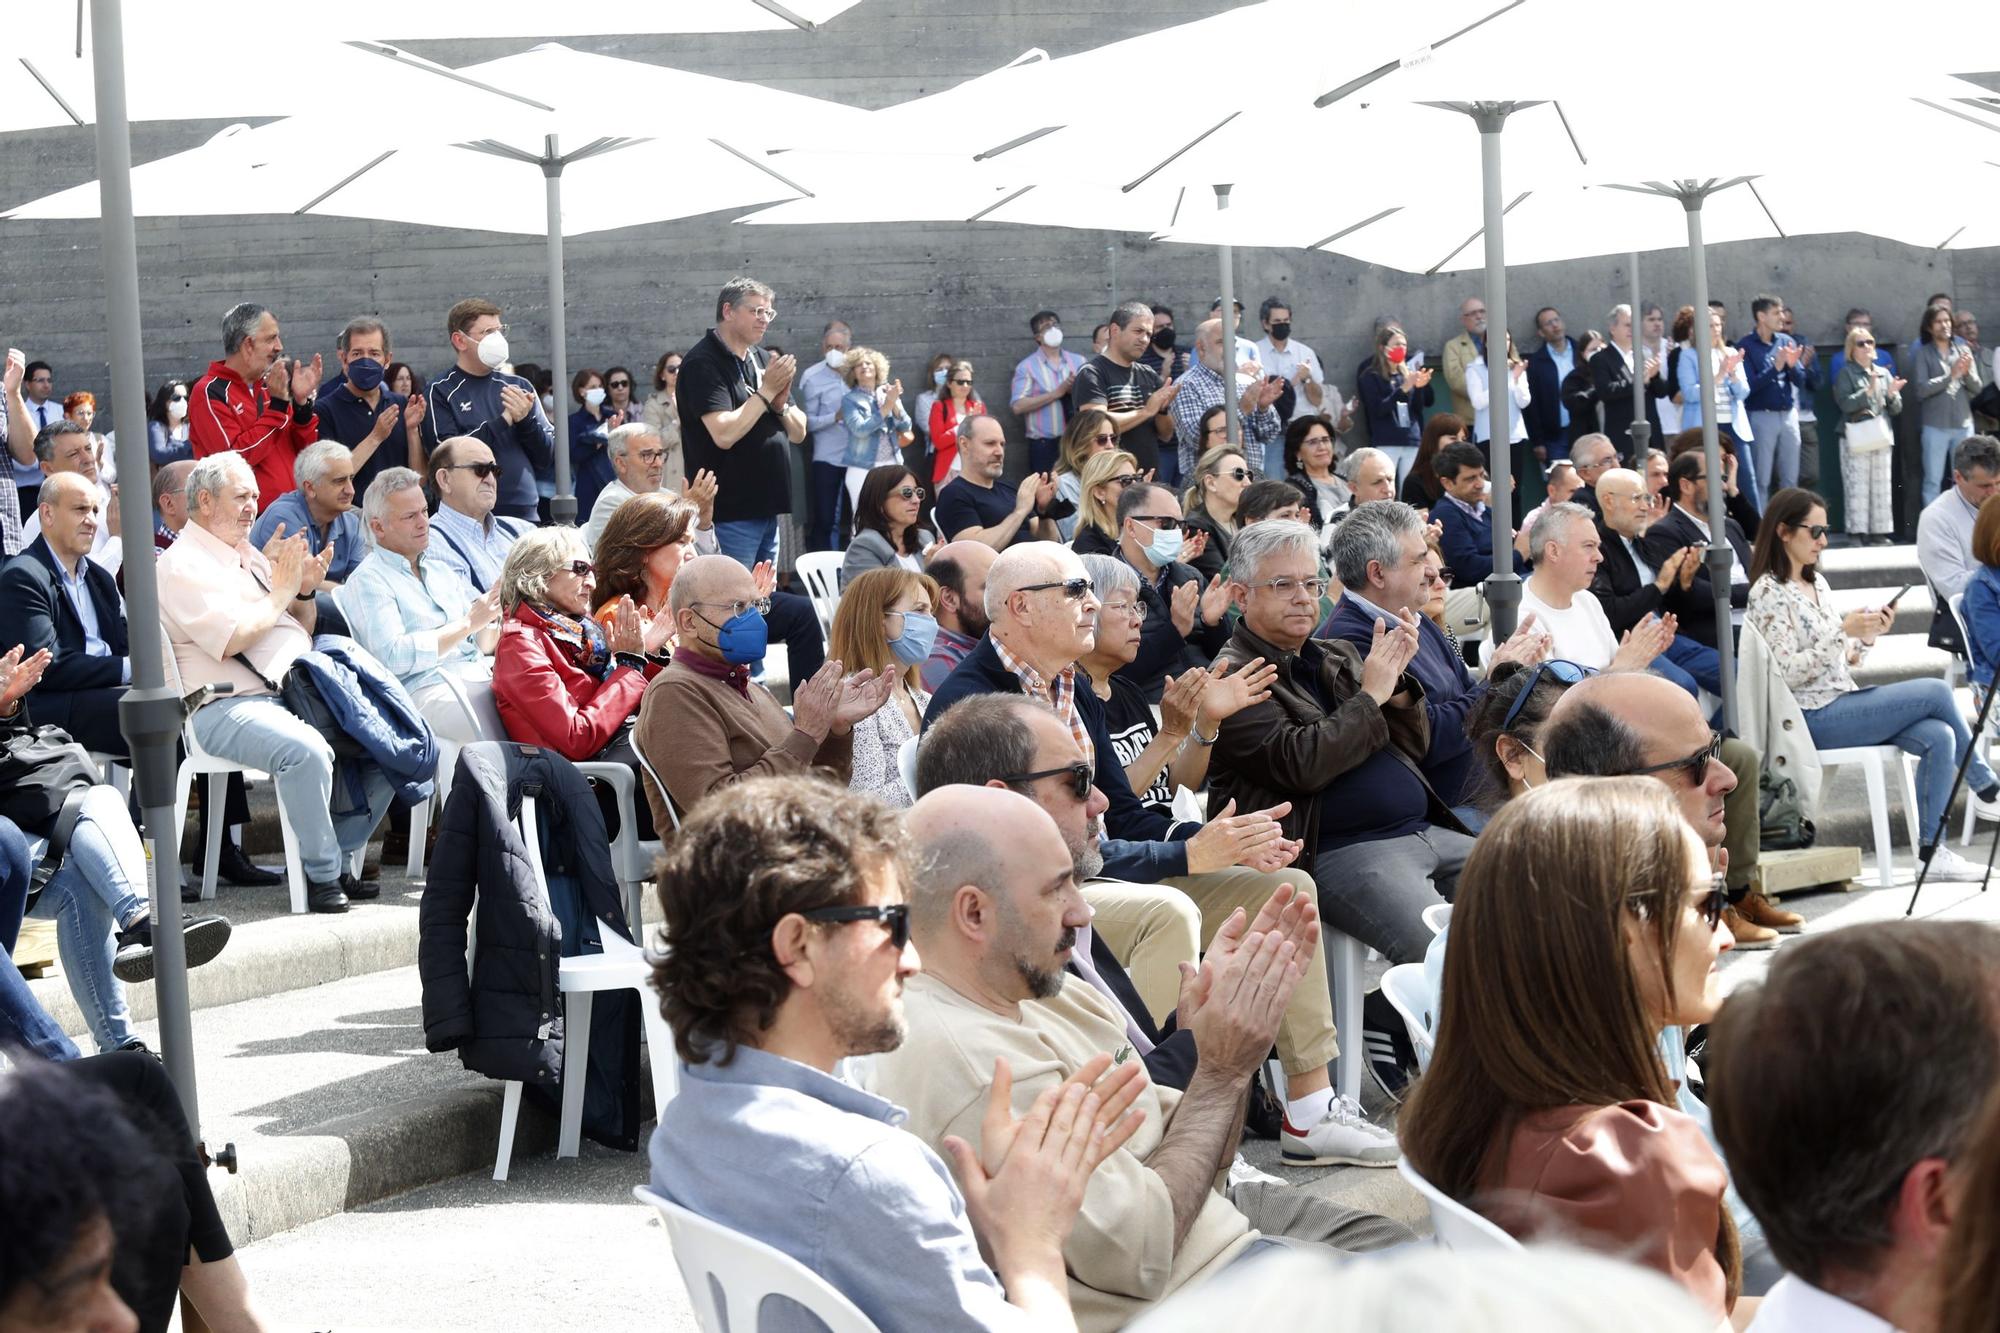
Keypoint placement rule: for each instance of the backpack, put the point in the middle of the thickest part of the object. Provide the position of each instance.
(1782, 825)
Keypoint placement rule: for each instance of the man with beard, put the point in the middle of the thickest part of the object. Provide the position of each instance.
(791, 951)
(996, 906)
(960, 570)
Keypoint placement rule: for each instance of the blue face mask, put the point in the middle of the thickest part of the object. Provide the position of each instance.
(743, 638)
(364, 373)
(1165, 548)
(919, 633)
(939, 375)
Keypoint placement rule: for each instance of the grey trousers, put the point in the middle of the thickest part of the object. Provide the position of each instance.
(1377, 891)
(1296, 1217)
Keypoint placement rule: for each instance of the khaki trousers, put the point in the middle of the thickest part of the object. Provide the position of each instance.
(1306, 1037)
(1152, 929)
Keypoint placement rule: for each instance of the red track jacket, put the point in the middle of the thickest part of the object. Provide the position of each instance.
(225, 413)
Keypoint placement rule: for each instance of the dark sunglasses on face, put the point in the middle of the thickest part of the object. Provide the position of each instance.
(961, 381)
(1816, 531)
(893, 916)
(909, 492)
(1074, 590)
(1124, 479)
(1158, 522)
(480, 470)
(1108, 437)
(1695, 765)
(1562, 669)
(1236, 474)
(1078, 774)
(618, 384)
(583, 569)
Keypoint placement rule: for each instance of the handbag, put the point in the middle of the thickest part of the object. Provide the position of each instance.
(39, 767)
(1870, 435)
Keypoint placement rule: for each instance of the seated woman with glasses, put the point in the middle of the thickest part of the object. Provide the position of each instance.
(1815, 648)
(1101, 481)
(1159, 757)
(887, 622)
(886, 533)
(561, 681)
(1547, 1106)
(1219, 478)
(1309, 460)
(1090, 433)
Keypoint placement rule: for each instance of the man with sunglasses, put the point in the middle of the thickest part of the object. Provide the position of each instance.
(774, 981)
(473, 541)
(1186, 624)
(1628, 724)
(1039, 392)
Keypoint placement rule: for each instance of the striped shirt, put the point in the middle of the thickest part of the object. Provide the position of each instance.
(1038, 374)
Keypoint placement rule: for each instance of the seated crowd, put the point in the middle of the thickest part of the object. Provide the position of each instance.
(977, 949)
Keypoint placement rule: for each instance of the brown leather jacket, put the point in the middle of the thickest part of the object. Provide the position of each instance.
(1289, 748)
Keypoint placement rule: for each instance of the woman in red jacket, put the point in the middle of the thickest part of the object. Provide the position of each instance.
(956, 401)
(560, 680)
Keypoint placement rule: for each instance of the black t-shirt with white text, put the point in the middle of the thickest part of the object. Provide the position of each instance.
(1130, 722)
(1123, 389)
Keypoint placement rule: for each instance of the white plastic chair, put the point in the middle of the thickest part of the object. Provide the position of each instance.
(1436, 917)
(906, 765)
(820, 572)
(1345, 956)
(1455, 1226)
(729, 1275)
(622, 966)
(1873, 760)
(1403, 986)
(218, 770)
(1981, 742)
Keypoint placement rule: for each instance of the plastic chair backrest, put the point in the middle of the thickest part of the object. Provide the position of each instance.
(1436, 917)
(666, 797)
(1457, 1227)
(820, 572)
(1403, 987)
(1957, 605)
(906, 764)
(476, 698)
(729, 1275)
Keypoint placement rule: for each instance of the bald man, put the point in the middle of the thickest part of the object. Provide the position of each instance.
(1628, 723)
(960, 569)
(994, 913)
(170, 502)
(54, 596)
(703, 723)
(1629, 588)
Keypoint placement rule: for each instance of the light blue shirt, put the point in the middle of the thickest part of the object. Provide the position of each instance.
(396, 615)
(77, 589)
(820, 1169)
(820, 390)
(343, 533)
(471, 549)
(1565, 360)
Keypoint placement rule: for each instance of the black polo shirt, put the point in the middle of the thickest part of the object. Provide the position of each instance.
(348, 419)
(753, 476)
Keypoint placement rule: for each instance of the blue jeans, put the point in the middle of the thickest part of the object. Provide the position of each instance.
(1939, 441)
(97, 891)
(750, 541)
(259, 732)
(829, 488)
(1917, 717)
(1691, 664)
(1748, 479)
(23, 1021)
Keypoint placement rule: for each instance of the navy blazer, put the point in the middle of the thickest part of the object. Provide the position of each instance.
(1172, 1062)
(1467, 543)
(1695, 604)
(1544, 411)
(36, 613)
(1144, 846)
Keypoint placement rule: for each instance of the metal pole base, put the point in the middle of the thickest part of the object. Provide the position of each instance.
(562, 509)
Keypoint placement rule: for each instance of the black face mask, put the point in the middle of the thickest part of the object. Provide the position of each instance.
(1163, 339)
(1281, 329)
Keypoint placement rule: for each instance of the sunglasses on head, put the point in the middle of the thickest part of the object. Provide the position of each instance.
(1557, 668)
(1694, 765)
(894, 916)
(1074, 590)
(1078, 774)
(480, 470)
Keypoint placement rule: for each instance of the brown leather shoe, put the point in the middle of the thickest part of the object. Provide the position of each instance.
(1748, 934)
(1759, 910)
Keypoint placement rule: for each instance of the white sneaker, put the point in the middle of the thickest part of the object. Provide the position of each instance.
(1242, 1173)
(1344, 1134)
(1949, 867)
(1987, 810)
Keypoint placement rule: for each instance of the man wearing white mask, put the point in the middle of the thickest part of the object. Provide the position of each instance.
(820, 390)
(475, 397)
(1039, 393)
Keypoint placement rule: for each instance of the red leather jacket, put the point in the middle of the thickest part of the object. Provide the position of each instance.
(547, 698)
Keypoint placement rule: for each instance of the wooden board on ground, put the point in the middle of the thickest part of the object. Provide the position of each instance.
(35, 950)
(1785, 872)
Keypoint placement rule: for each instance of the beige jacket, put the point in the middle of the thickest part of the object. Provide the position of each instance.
(1120, 1255)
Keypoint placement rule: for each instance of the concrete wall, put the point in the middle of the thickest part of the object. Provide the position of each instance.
(909, 290)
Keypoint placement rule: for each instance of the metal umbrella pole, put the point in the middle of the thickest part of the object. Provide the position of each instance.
(1720, 557)
(1232, 409)
(1503, 586)
(563, 507)
(150, 713)
(1642, 429)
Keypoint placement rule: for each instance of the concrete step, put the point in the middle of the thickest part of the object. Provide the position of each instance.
(1870, 566)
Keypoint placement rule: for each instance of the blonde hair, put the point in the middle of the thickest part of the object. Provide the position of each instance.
(1857, 332)
(1209, 466)
(1081, 438)
(873, 358)
(859, 639)
(1098, 469)
(533, 560)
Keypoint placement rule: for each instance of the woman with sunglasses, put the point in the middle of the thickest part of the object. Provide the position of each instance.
(956, 401)
(560, 679)
(1867, 396)
(1103, 479)
(1210, 505)
(1547, 1106)
(1815, 649)
(661, 413)
(1309, 460)
(1089, 433)
(886, 533)
(167, 425)
(887, 622)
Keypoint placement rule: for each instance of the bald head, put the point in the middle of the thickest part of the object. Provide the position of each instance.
(1023, 565)
(1621, 495)
(956, 833)
(1626, 722)
(960, 569)
(61, 485)
(710, 578)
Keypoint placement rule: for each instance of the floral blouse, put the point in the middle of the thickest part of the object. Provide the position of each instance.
(878, 739)
(1807, 642)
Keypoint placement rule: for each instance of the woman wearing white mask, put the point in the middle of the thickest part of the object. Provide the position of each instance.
(887, 622)
(167, 425)
(933, 385)
(590, 428)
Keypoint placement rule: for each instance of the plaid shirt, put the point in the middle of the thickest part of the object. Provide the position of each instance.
(1201, 389)
(1059, 694)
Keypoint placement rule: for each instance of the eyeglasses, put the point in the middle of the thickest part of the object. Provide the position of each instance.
(486, 333)
(652, 455)
(1136, 610)
(761, 605)
(480, 470)
(1441, 577)
(893, 916)
(1078, 773)
(674, 369)
(1220, 430)
(1285, 587)
(1558, 668)
(1695, 765)
(618, 384)
(1158, 522)
(1108, 437)
(1074, 590)
(909, 492)
(763, 312)
(583, 569)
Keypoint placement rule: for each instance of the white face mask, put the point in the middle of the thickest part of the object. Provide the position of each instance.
(594, 397)
(177, 408)
(493, 350)
(1052, 336)
(836, 359)
(548, 402)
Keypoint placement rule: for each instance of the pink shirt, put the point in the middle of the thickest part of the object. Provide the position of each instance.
(207, 588)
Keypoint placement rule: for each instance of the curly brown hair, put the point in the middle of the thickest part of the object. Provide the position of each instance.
(742, 862)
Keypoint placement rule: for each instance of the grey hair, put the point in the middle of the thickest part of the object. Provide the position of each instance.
(171, 479)
(977, 740)
(1109, 574)
(1974, 451)
(1373, 531)
(536, 557)
(239, 324)
(1618, 312)
(1549, 526)
(1593, 438)
(388, 482)
(361, 324)
(209, 475)
(46, 437)
(314, 460)
(1253, 545)
(1660, 454)
(620, 440)
(739, 289)
(1350, 466)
